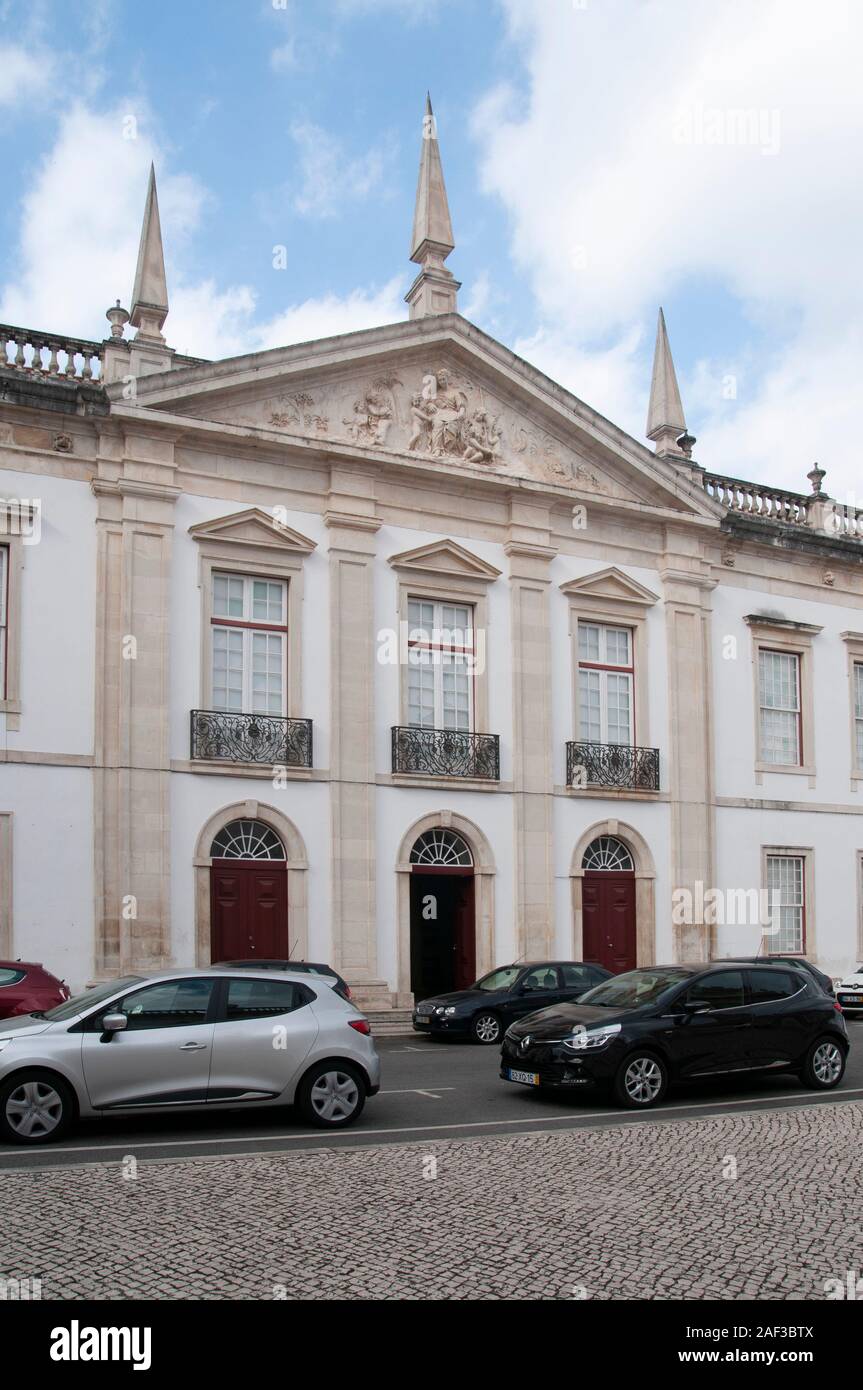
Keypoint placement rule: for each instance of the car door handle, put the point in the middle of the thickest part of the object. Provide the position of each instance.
(192, 1047)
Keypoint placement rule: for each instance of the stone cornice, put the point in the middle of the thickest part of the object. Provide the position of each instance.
(767, 620)
(352, 521)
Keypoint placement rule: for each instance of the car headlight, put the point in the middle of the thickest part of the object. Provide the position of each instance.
(589, 1039)
(445, 1011)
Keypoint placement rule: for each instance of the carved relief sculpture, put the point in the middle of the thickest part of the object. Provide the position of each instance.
(299, 415)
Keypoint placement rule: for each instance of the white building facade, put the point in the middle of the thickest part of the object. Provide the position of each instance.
(385, 650)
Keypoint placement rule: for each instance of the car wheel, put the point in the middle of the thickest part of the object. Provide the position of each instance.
(824, 1066)
(486, 1028)
(35, 1108)
(641, 1081)
(331, 1095)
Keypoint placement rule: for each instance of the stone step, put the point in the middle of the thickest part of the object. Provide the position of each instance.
(389, 1022)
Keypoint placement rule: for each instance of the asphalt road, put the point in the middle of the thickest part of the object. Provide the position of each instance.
(429, 1090)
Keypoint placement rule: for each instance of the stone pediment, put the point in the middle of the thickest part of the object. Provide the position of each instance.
(253, 527)
(445, 558)
(612, 584)
(429, 390)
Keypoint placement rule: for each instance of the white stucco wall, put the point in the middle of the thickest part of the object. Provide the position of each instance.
(58, 618)
(52, 867)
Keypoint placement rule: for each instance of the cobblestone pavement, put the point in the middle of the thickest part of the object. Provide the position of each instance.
(650, 1210)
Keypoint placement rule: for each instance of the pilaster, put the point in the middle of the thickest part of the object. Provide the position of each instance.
(352, 528)
(687, 586)
(530, 557)
(131, 792)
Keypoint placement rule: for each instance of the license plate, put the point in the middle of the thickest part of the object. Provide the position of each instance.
(423, 1018)
(527, 1078)
(851, 999)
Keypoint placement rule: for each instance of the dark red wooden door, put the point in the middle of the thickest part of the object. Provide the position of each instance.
(608, 920)
(249, 909)
(465, 933)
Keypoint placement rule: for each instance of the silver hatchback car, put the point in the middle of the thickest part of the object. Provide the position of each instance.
(184, 1040)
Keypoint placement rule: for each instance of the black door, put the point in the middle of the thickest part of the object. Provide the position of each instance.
(780, 1028)
(719, 1039)
(443, 937)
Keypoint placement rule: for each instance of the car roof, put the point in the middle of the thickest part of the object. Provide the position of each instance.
(531, 964)
(271, 963)
(217, 970)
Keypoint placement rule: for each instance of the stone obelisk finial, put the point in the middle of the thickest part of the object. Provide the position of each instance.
(150, 295)
(666, 424)
(435, 289)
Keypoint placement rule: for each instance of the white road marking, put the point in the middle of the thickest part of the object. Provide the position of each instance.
(539, 1122)
(414, 1091)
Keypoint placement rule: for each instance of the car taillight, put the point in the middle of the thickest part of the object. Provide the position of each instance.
(362, 1025)
(837, 1006)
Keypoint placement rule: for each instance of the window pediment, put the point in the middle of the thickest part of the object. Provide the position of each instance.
(445, 559)
(611, 584)
(254, 527)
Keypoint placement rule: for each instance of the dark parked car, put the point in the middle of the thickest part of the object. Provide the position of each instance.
(638, 1032)
(305, 967)
(26, 988)
(483, 1011)
(797, 963)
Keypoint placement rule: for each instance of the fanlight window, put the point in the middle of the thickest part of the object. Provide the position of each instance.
(247, 839)
(443, 848)
(605, 852)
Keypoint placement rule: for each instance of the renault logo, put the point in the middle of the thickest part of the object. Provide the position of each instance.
(524, 1044)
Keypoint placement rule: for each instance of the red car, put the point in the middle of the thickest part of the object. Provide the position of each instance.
(26, 988)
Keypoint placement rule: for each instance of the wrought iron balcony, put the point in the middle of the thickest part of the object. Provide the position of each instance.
(446, 753)
(251, 738)
(612, 765)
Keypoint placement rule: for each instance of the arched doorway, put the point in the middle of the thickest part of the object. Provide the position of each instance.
(443, 913)
(248, 893)
(605, 850)
(216, 848)
(608, 904)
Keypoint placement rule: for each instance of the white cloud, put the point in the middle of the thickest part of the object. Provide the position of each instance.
(23, 74)
(206, 323)
(665, 143)
(81, 220)
(329, 176)
(80, 225)
(284, 58)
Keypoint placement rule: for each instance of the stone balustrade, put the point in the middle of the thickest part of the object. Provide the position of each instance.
(847, 521)
(818, 511)
(758, 499)
(50, 354)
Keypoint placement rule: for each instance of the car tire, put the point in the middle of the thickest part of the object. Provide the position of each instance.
(641, 1081)
(331, 1095)
(825, 1065)
(36, 1107)
(486, 1028)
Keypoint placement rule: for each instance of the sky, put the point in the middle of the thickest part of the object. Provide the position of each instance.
(602, 157)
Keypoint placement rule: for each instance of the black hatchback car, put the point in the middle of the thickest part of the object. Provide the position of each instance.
(483, 1011)
(638, 1032)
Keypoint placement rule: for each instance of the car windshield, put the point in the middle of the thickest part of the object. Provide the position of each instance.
(87, 997)
(632, 990)
(499, 979)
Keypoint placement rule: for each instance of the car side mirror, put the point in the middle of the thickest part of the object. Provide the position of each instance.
(111, 1024)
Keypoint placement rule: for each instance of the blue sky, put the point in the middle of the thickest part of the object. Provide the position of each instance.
(601, 157)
